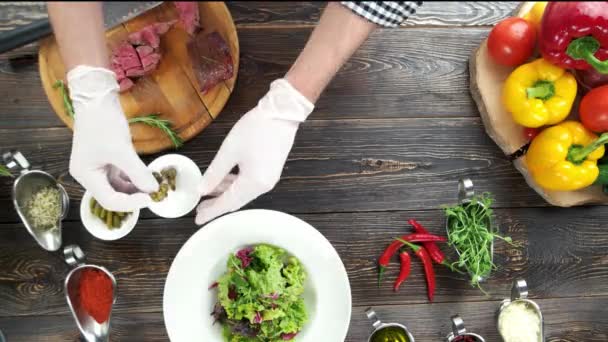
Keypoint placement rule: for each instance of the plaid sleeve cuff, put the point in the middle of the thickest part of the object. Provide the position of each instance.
(384, 13)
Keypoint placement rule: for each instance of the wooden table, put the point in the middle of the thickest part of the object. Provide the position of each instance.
(388, 141)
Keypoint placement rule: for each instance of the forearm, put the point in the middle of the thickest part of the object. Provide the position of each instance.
(80, 33)
(337, 36)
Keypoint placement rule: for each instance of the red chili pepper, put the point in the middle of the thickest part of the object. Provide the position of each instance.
(431, 247)
(573, 35)
(406, 262)
(424, 256)
(385, 258)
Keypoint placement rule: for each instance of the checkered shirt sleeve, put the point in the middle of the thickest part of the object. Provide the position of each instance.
(384, 13)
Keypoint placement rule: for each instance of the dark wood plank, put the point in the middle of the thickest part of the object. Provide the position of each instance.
(346, 165)
(291, 13)
(561, 253)
(396, 74)
(569, 319)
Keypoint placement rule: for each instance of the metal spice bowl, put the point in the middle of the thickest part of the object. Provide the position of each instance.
(466, 193)
(91, 330)
(24, 187)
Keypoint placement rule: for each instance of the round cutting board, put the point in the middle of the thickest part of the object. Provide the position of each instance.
(171, 90)
(486, 83)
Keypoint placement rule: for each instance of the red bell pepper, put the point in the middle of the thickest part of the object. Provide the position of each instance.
(573, 35)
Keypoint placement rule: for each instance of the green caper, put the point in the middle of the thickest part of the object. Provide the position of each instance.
(109, 219)
(103, 213)
(116, 221)
(158, 176)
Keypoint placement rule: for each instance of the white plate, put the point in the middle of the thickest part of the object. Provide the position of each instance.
(187, 302)
(98, 228)
(185, 197)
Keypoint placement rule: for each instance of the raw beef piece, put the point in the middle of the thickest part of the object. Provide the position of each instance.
(125, 84)
(120, 73)
(135, 72)
(188, 15)
(144, 50)
(150, 35)
(150, 59)
(125, 50)
(127, 62)
(162, 28)
(211, 60)
(151, 67)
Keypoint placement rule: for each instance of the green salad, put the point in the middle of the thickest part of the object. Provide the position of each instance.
(260, 296)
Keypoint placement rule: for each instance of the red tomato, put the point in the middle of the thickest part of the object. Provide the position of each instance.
(593, 110)
(511, 41)
(531, 133)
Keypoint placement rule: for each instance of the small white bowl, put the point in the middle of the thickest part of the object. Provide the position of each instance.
(185, 197)
(98, 228)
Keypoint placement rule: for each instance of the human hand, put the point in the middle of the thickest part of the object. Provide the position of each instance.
(102, 146)
(259, 144)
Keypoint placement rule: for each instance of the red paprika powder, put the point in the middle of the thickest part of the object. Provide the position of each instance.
(96, 293)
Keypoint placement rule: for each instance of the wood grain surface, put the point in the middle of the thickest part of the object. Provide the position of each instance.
(388, 141)
(171, 91)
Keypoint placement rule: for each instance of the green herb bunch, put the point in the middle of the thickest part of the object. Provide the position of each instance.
(152, 120)
(471, 232)
(4, 172)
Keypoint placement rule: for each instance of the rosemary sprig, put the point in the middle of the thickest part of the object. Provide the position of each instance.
(471, 232)
(164, 125)
(150, 120)
(67, 103)
(4, 172)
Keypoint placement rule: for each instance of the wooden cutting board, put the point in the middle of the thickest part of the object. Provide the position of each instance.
(486, 83)
(171, 90)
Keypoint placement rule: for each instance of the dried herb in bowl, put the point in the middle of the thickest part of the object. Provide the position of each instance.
(471, 232)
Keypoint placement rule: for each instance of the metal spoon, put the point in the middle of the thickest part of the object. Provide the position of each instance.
(466, 193)
(90, 329)
(24, 188)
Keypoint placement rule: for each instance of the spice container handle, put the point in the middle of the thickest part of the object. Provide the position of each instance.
(15, 160)
(74, 256)
(371, 314)
(519, 290)
(465, 190)
(65, 201)
(458, 326)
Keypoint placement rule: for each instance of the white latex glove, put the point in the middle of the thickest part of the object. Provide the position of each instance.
(259, 144)
(102, 142)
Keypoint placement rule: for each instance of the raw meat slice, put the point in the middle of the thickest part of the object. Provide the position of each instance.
(150, 35)
(144, 50)
(125, 84)
(189, 15)
(127, 62)
(162, 28)
(135, 72)
(120, 73)
(150, 59)
(151, 67)
(211, 60)
(125, 50)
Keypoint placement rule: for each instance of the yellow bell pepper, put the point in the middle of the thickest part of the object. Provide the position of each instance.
(535, 15)
(564, 157)
(539, 93)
